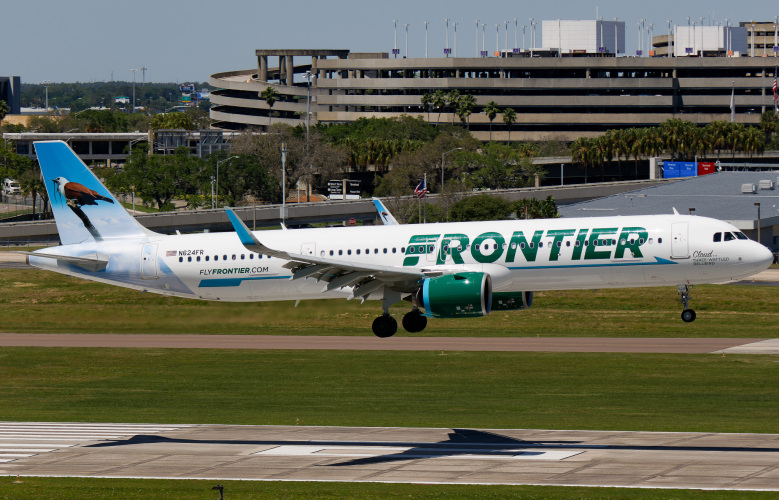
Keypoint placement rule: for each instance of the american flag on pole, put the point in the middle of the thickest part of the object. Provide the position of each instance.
(421, 190)
(774, 88)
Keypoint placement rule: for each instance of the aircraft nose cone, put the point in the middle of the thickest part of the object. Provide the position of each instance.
(764, 256)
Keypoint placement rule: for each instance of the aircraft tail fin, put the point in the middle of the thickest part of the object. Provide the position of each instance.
(83, 208)
(386, 217)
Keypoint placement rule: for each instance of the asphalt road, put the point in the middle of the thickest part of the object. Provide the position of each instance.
(399, 343)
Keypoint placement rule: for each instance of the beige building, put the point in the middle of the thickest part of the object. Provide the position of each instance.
(554, 97)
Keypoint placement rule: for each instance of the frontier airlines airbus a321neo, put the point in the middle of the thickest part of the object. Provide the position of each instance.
(444, 270)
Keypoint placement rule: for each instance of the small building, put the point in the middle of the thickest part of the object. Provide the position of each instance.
(709, 41)
(584, 37)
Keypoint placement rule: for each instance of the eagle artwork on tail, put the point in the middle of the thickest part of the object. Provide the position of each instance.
(78, 195)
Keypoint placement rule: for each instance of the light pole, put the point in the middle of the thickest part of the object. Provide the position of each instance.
(477, 38)
(284, 182)
(426, 23)
(455, 38)
(507, 37)
(406, 25)
(616, 38)
(395, 45)
(217, 176)
(446, 49)
(307, 76)
(532, 35)
(134, 70)
(483, 44)
(516, 32)
(669, 39)
(497, 38)
(758, 221)
(442, 165)
(47, 84)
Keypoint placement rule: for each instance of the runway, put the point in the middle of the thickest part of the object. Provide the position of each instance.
(408, 455)
(399, 343)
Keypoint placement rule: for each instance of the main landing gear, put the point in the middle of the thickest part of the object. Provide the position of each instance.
(684, 291)
(385, 325)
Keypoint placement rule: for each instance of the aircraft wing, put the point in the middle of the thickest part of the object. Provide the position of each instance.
(335, 273)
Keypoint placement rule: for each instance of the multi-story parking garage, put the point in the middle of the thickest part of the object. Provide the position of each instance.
(554, 97)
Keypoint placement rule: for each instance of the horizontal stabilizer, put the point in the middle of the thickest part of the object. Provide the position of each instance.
(91, 262)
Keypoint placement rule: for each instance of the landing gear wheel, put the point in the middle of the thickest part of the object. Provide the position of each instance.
(684, 291)
(385, 326)
(414, 322)
(688, 315)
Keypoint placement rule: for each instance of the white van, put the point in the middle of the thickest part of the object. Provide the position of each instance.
(11, 186)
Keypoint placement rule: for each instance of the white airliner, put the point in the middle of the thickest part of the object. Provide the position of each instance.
(444, 270)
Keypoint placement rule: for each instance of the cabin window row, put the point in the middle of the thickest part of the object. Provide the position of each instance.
(207, 258)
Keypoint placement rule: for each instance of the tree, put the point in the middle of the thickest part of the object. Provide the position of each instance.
(159, 178)
(4, 109)
(439, 101)
(177, 121)
(465, 106)
(509, 117)
(530, 208)
(768, 122)
(453, 101)
(31, 184)
(270, 96)
(481, 207)
(491, 110)
(427, 100)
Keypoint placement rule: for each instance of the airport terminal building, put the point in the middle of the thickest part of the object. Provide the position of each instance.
(557, 92)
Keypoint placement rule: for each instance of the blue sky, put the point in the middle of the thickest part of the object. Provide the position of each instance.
(87, 40)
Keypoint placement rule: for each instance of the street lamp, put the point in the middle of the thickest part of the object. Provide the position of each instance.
(217, 176)
(758, 221)
(442, 165)
(46, 84)
(307, 76)
(406, 25)
(426, 23)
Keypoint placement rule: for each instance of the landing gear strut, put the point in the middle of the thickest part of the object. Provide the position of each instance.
(414, 322)
(684, 291)
(385, 325)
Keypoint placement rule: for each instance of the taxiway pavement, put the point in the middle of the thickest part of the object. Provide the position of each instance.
(400, 343)
(377, 454)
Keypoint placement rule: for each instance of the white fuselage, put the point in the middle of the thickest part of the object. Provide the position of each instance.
(520, 255)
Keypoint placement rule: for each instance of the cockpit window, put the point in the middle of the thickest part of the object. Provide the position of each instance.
(717, 237)
(741, 236)
(729, 237)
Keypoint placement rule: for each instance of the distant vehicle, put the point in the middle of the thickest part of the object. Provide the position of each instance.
(10, 186)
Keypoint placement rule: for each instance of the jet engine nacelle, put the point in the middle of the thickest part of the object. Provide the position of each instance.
(511, 301)
(458, 295)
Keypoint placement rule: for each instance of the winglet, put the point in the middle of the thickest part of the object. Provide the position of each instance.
(248, 239)
(386, 217)
(675, 211)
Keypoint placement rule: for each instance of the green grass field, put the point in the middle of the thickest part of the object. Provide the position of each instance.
(89, 489)
(641, 392)
(39, 301)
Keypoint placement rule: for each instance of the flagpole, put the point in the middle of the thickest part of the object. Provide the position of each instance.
(733, 103)
(774, 88)
(424, 221)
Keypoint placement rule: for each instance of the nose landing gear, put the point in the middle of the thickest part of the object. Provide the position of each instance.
(684, 291)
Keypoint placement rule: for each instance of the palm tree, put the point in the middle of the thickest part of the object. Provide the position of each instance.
(427, 100)
(581, 151)
(491, 110)
(270, 96)
(453, 100)
(465, 106)
(439, 101)
(717, 135)
(754, 141)
(509, 117)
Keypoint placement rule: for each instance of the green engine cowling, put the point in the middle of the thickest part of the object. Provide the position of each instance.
(511, 301)
(460, 295)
